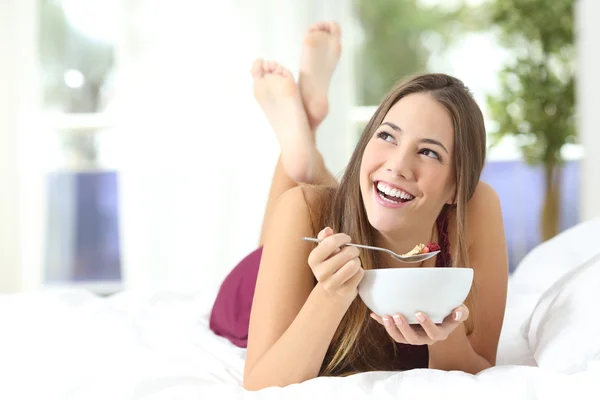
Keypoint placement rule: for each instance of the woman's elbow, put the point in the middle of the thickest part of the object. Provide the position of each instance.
(254, 385)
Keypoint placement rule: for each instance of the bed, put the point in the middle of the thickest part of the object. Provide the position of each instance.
(71, 344)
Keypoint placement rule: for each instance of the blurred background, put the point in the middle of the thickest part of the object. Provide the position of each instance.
(133, 156)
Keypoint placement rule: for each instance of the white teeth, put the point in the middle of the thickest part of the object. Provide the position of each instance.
(390, 191)
(387, 200)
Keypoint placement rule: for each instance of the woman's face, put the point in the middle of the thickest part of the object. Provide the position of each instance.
(406, 174)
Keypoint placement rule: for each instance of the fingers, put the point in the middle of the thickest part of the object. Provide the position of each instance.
(324, 233)
(329, 245)
(392, 329)
(334, 264)
(460, 313)
(377, 318)
(344, 274)
(427, 333)
(410, 335)
(441, 332)
(433, 331)
(398, 328)
(356, 278)
(336, 267)
(457, 316)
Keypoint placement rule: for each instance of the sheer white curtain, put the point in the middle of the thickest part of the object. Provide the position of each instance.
(21, 150)
(195, 153)
(588, 95)
(10, 257)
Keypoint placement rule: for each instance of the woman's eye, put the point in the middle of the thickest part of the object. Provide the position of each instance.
(430, 153)
(386, 136)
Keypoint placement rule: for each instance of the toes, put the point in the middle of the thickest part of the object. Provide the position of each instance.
(317, 26)
(326, 26)
(286, 73)
(272, 66)
(257, 70)
(334, 28)
(262, 67)
(283, 71)
(265, 67)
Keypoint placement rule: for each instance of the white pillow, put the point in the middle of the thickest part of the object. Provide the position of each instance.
(564, 329)
(548, 261)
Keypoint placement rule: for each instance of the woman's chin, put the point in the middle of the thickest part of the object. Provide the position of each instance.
(385, 226)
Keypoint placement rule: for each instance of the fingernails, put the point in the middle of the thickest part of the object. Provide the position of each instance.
(458, 316)
(386, 321)
(420, 317)
(373, 316)
(397, 320)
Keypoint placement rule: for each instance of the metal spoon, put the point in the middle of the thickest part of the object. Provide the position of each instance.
(409, 259)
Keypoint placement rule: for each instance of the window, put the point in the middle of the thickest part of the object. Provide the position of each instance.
(77, 64)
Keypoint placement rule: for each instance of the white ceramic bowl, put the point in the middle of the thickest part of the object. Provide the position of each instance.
(434, 291)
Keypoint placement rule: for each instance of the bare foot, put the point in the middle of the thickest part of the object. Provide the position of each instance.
(279, 98)
(320, 55)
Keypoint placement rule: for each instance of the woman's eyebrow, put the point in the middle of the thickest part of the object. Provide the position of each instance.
(425, 140)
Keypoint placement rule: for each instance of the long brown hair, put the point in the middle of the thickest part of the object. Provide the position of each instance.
(354, 346)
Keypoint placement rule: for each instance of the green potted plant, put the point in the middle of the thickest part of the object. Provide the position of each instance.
(536, 103)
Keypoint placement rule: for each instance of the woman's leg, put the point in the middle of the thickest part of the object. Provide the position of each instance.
(320, 53)
(294, 113)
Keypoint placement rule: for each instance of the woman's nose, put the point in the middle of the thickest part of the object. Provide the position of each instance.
(401, 164)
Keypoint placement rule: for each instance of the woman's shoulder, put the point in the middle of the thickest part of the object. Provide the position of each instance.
(482, 207)
(484, 199)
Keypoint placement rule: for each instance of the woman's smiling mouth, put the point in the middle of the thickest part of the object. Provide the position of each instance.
(389, 195)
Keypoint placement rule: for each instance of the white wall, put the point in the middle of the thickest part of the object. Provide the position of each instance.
(20, 254)
(10, 260)
(196, 153)
(588, 103)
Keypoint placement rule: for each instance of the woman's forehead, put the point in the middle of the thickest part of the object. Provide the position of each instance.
(421, 115)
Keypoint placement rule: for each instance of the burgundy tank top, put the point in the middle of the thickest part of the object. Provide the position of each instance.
(230, 316)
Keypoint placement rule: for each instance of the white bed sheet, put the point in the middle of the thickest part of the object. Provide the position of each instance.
(70, 344)
(513, 348)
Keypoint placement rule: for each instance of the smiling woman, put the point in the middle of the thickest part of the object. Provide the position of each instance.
(396, 158)
(413, 178)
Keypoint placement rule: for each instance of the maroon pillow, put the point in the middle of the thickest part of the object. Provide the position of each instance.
(230, 316)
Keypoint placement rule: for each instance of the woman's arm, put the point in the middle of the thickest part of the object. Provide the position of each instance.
(489, 259)
(292, 320)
